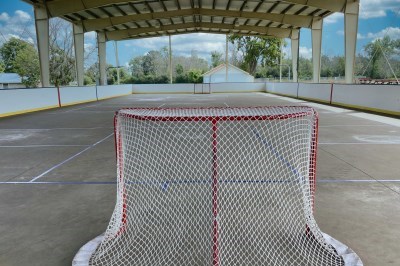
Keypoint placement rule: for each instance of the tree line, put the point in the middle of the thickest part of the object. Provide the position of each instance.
(260, 56)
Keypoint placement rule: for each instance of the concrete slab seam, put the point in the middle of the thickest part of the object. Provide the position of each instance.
(69, 159)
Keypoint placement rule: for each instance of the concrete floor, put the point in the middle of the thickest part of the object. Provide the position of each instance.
(57, 174)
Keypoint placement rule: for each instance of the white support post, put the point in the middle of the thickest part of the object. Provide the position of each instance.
(101, 44)
(170, 59)
(280, 61)
(350, 37)
(79, 52)
(295, 43)
(42, 35)
(316, 33)
(226, 59)
(117, 60)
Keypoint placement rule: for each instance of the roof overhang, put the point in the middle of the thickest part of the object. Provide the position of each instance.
(121, 20)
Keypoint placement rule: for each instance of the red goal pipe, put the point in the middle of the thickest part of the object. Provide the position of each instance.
(215, 194)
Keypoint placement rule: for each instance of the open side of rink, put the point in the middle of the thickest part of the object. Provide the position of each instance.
(58, 176)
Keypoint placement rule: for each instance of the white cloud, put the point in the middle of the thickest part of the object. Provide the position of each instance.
(88, 47)
(333, 18)
(22, 16)
(4, 16)
(378, 8)
(305, 52)
(91, 35)
(203, 43)
(393, 32)
(19, 25)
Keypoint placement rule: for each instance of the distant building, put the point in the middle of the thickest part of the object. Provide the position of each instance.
(10, 81)
(235, 74)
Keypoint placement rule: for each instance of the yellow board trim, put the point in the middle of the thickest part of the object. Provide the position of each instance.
(376, 110)
(28, 111)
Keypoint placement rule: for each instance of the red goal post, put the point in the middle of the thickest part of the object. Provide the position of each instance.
(183, 172)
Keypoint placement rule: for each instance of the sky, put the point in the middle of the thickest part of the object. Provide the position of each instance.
(377, 18)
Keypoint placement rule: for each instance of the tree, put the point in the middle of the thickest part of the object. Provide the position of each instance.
(255, 50)
(62, 61)
(92, 73)
(2, 67)
(179, 69)
(376, 51)
(216, 58)
(112, 75)
(26, 64)
(9, 51)
(305, 68)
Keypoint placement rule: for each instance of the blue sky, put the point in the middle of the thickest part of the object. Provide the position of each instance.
(377, 18)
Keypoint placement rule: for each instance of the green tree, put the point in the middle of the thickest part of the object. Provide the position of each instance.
(92, 72)
(216, 58)
(305, 68)
(62, 60)
(112, 75)
(9, 51)
(255, 50)
(62, 67)
(2, 67)
(376, 50)
(26, 64)
(179, 69)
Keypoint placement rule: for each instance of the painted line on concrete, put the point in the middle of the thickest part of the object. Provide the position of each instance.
(59, 182)
(56, 128)
(161, 105)
(358, 143)
(71, 110)
(357, 181)
(69, 159)
(41, 146)
(115, 182)
(226, 105)
(353, 126)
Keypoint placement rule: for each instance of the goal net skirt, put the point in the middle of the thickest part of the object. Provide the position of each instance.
(215, 186)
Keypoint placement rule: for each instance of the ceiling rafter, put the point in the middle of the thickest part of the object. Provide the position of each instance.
(295, 20)
(151, 17)
(126, 34)
(65, 7)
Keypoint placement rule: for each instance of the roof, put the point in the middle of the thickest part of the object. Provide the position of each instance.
(10, 78)
(221, 67)
(121, 20)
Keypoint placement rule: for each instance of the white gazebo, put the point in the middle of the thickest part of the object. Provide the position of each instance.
(231, 73)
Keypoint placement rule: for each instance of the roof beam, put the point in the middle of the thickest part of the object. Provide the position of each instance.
(129, 33)
(65, 7)
(294, 20)
(190, 31)
(334, 6)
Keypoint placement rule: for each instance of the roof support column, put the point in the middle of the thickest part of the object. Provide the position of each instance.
(295, 41)
(226, 58)
(170, 59)
(316, 34)
(350, 37)
(101, 45)
(79, 52)
(42, 35)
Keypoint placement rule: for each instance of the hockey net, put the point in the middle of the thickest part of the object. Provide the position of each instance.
(215, 186)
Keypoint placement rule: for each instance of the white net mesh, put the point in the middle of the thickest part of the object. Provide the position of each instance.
(216, 186)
